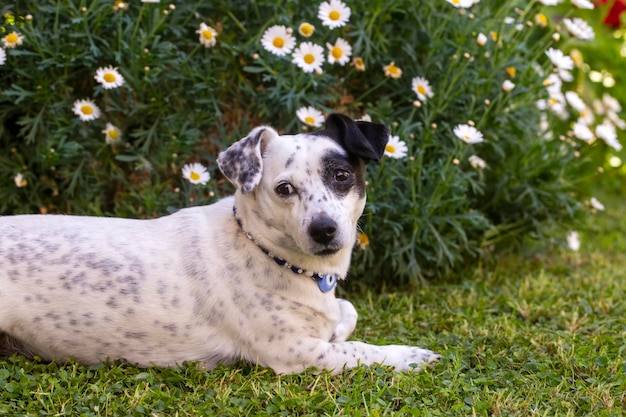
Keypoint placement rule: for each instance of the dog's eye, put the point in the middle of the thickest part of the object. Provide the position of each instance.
(342, 175)
(285, 189)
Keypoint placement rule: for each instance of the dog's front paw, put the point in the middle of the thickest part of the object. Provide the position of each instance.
(412, 358)
(421, 357)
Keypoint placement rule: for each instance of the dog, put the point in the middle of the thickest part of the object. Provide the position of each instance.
(251, 277)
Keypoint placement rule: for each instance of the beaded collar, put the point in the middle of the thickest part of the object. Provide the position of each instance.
(325, 282)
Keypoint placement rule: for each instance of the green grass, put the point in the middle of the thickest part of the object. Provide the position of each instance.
(541, 335)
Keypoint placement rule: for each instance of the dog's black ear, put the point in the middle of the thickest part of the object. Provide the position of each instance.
(363, 139)
(242, 162)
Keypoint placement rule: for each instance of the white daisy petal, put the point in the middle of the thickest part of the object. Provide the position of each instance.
(579, 28)
(112, 134)
(208, 35)
(86, 110)
(309, 57)
(310, 116)
(278, 40)
(468, 134)
(340, 52)
(396, 148)
(109, 77)
(422, 88)
(334, 13)
(196, 173)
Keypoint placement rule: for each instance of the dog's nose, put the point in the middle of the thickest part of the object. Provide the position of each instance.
(322, 230)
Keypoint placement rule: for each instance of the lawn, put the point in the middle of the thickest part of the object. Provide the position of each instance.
(543, 334)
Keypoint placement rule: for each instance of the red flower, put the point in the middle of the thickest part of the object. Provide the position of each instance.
(612, 18)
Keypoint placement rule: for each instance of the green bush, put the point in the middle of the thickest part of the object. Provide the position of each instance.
(429, 212)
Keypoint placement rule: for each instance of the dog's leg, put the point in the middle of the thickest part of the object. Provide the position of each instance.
(310, 352)
(347, 321)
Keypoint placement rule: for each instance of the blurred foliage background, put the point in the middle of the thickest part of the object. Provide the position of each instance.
(429, 213)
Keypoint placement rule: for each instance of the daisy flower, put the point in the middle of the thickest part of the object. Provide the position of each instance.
(573, 240)
(396, 148)
(611, 103)
(3, 56)
(596, 204)
(606, 131)
(278, 40)
(464, 4)
(339, 53)
(12, 40)
(362, 240)
(541, 20)
(550, 2)
(208, 35)
(581, 131)
(196, 173)
(20, 181)
(477, 162)
(358, 63)
(583, 4)
(334, 13)
(553, 83)
(422, 88)
(574, 100)
(562, 63)
(306, 29)
(309, 57)
(112, 134)
(507, 86)
(580, 29)
(560, 60)
(310, 116)
(481, 39)
(392, 71)
(109, 77)
(468, 134)
(86, 110)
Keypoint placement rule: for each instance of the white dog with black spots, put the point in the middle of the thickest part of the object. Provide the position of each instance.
(251, 277)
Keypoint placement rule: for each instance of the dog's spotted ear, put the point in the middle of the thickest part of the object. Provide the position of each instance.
(363, 139)
(242, 162)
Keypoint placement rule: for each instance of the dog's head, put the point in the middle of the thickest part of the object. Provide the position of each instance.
(301, 196)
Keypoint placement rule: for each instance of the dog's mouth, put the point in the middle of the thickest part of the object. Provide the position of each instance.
(326, 252)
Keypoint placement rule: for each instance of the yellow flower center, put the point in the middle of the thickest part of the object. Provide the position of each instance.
(511, 71)
(334, 15)
(467, 137)
(86, 109)
(309, 58)
(390, 148)
(363, 240)
(12, 37)
(541, 20)
(393, 70)
(194, 176)
(113, 134)
(207, 34)
(421, 89)
(553, 101)
(278, 42)
(455, 2)
(306, 29)
(309, 120)
(336, 52)
(109, 77)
